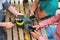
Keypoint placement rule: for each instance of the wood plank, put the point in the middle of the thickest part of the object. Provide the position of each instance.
(17, 5)
(15, 33)
(30, 3)
(12, 2)
(9, 33)
(26, 6)
(21, 6)
(44, 33)
(27, 34)
(21, 35)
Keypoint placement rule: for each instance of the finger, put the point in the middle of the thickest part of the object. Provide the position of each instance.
(34, 26)
(31, 14)
(36, 31)
(21, 14)
(16, 15)
(37, 28)
(32, 33)
(41, 27)
(16, 19)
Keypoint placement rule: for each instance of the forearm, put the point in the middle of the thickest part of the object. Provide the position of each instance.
(10, 8)
(2, 24)
(50, 20)
(34, 5)
(13, 10)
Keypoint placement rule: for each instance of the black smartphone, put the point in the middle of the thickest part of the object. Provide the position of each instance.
(31, 29)
(32, 17)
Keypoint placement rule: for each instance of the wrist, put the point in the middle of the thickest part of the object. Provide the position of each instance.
(31, 13)
(2, 24)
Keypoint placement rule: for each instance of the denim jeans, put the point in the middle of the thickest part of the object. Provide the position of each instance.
(50, 30)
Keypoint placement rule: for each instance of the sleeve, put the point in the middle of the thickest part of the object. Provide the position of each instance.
(49, 20)
(42, 38)
(5, 4)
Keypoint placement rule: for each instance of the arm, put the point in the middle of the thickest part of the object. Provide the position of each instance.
(12, 10)
(33, 7)
(2, 24)
(36, 34)
(6, 24)
(49, 21)
(9, 7)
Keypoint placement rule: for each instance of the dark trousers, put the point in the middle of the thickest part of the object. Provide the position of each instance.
(3, 35)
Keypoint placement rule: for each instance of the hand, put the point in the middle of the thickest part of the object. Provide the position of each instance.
(31, 13)
(36, 26)
(35, 34)
(8, 24)
(19, 14)
(43, 24)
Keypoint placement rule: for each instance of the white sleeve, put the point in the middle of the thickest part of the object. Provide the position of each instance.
(3, 1)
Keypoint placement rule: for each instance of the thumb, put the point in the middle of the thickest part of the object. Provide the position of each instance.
(37, 28)
(34, 26)
(21, 14)
(32, 33)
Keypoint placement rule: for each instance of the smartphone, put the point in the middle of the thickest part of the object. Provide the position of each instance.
(30, 29)
(20, 16)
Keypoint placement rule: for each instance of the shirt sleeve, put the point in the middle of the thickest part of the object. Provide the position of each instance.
(50, 20)
(5, 4)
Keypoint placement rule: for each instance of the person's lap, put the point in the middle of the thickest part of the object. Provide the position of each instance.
(50, 30)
